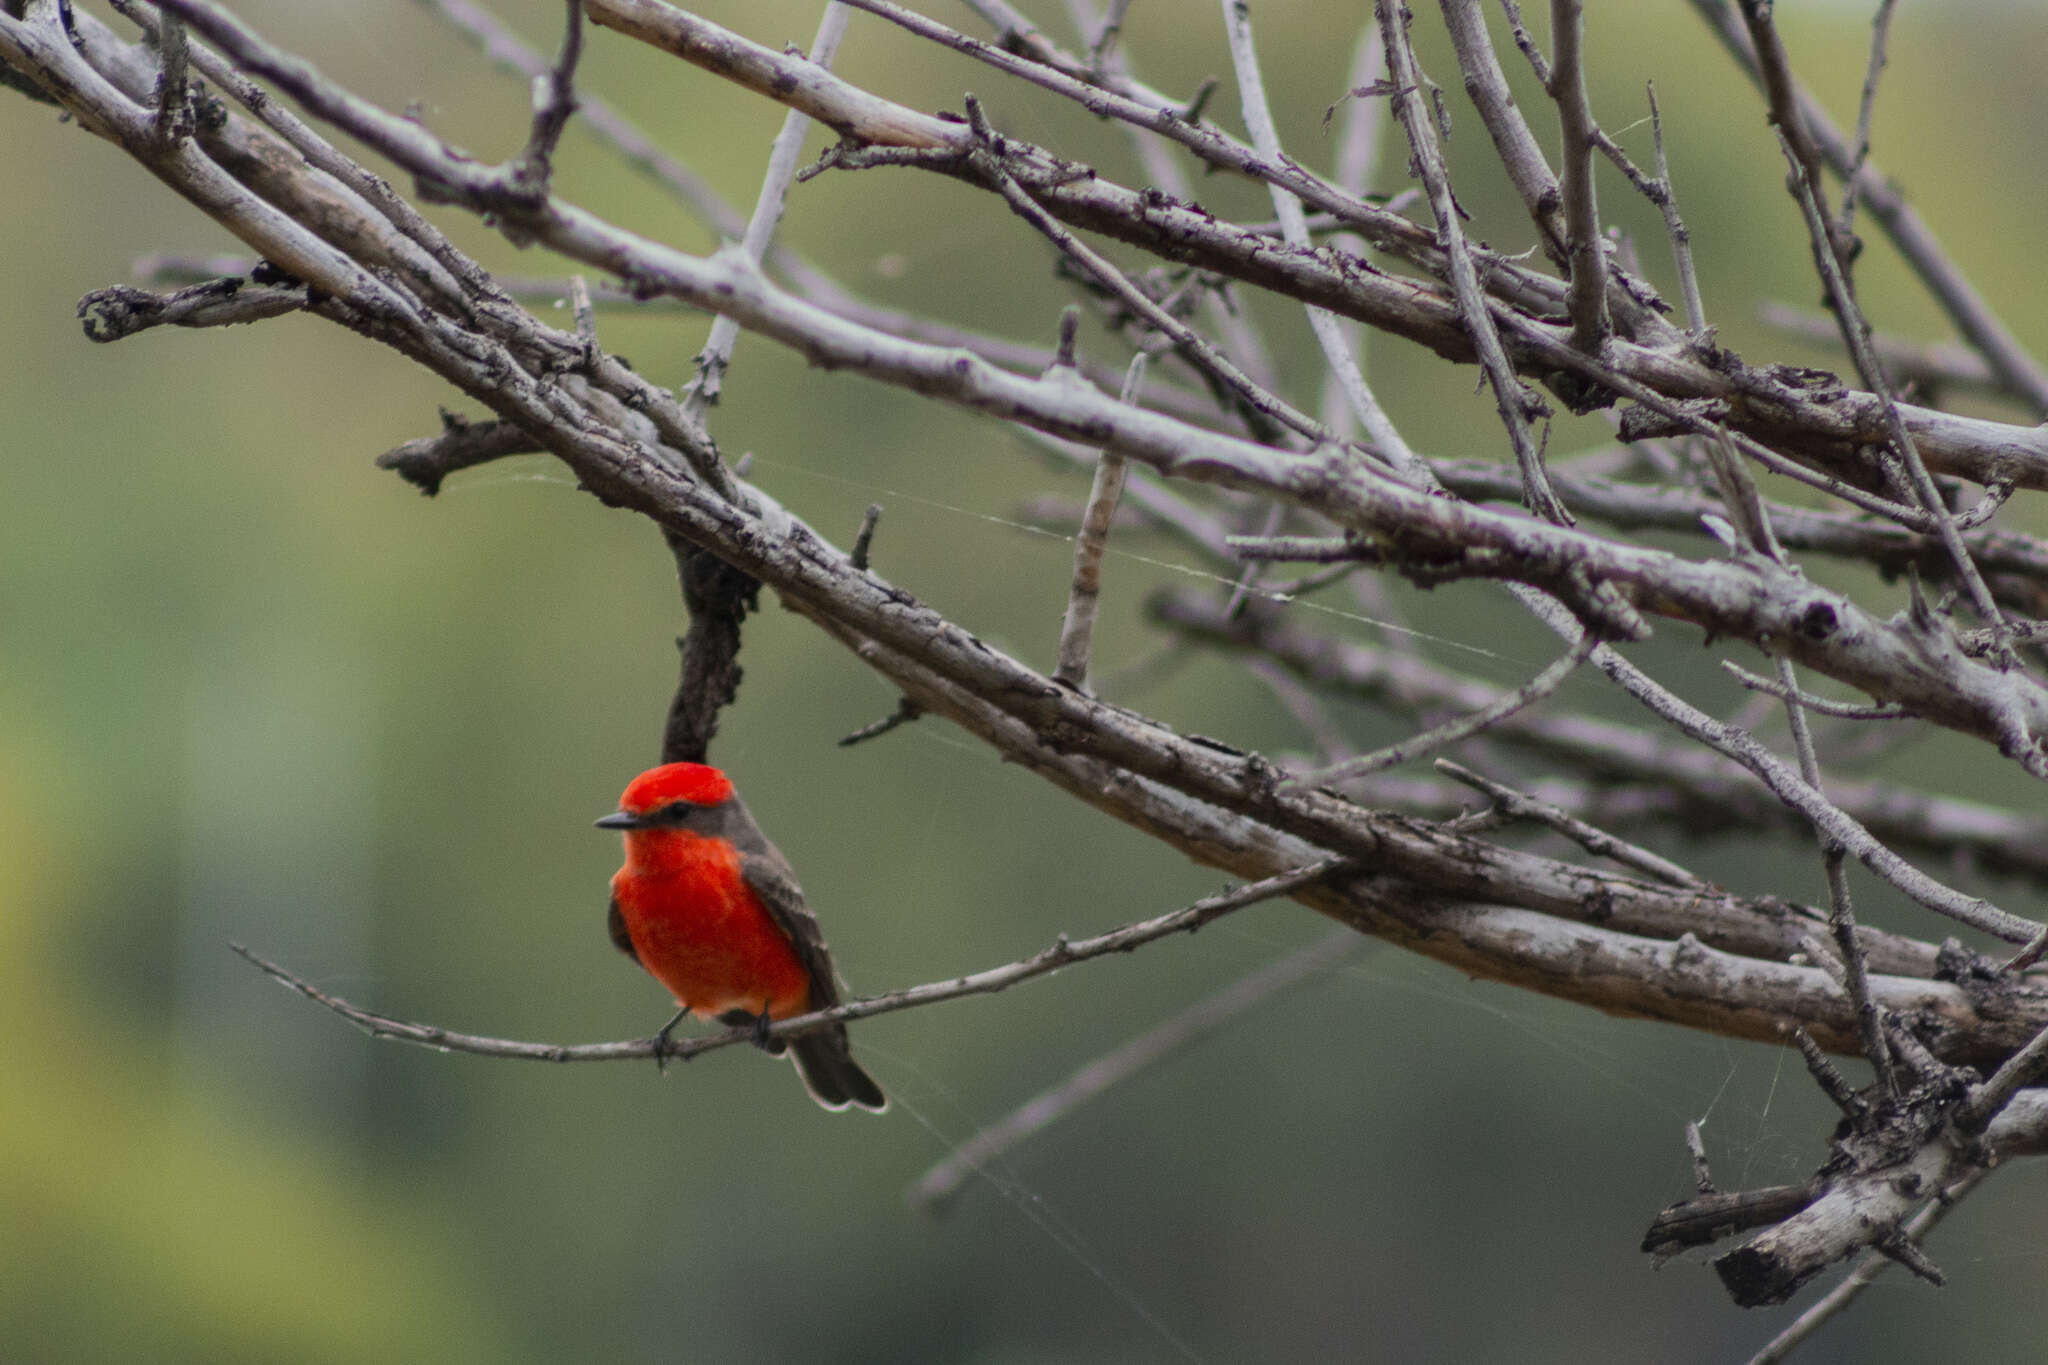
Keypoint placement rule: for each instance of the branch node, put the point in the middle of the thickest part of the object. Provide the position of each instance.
(864, 538)
(905, 712)
(1695, 1144)
(1070, 326)
(1830, 1079)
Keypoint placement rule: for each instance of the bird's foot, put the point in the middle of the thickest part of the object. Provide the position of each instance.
(757, 1026)
(665, 1043)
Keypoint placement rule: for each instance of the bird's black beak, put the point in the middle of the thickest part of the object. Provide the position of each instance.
(620, 819)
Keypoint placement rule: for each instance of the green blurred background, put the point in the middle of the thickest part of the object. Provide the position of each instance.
(253, 689)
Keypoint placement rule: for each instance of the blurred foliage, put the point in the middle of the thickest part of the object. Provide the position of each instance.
(254, 689)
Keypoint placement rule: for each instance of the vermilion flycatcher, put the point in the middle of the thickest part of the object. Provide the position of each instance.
(710, 908)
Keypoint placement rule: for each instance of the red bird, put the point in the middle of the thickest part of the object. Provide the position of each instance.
(710, 908)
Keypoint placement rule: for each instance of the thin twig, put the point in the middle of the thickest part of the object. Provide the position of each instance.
(1666, 200)
(1841, 908)
(1638, 506)
(1823, 1070)
(2018, 371)
(1521, 156)
(1304, 549)
(1526, 41)
(554, 101)
(583, 310)
(1934, 365)
(1596, 841)
(1092, 201)
(122, 310)
(1329, 334)
(427, 462)
(1357, 154)
(1078, 630)
(1063, 953)
(2022, 1069)
(1829, 820)
(461, 273)
(483, 189)
(1781, 93)
(506, 50)
(713, 360)
(905, 712)
(1841, 710)
(1236, 328)
(1191, 343)
(1629, 774)
(1106, 96)
(864, 538)
(1584, 245)
(1106, 35)
(1513, 401)
(1460, 727)
(1696, 1147)
(1866, 108)
(196, 268)
(1738, 488)
(937, 1187)
(1856, 333)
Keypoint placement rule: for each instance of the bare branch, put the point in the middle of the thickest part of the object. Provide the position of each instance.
(425, 463)
(1584, 246)
(1064, 953)
(1806, 701)
(1824, 1072)
(2022, 1069)
(2018, 372)
(173, 102)
(1191, 344)
(905, 712)
(1695, 790)
(1598, 842)
(782, 163)
(1831, 822)
(121, 310)
(1842, 924)
(1937, 364)
(2020, 741)
(1774, 69)
(1255, 480)
(936, 1188)
(1450, 732)
(1514, 403)
(1337, 353)
(1865, 1274)
(554, 101)
(1520, 154)
(1082, 598)
(1866, 108)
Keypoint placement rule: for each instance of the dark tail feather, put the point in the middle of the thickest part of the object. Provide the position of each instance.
(834, 1079)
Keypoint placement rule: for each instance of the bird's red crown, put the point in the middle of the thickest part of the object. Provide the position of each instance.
(698, 783)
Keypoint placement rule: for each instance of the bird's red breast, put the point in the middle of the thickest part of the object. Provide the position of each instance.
(700, 930)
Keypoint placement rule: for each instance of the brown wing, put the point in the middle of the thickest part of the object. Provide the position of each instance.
(823, 1059)
(768, 873)
(615, 923)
